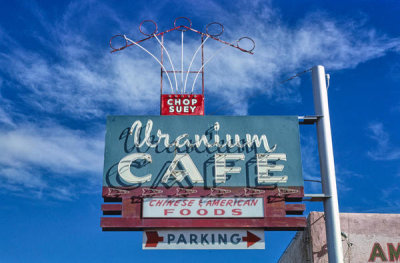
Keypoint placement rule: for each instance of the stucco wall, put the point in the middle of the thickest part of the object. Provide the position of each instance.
(363, 235)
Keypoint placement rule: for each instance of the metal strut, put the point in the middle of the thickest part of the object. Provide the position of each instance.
(183, 28)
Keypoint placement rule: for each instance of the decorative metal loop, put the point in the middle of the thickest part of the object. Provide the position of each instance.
(151, 21)
(115, 192)
(219, 191)
(287, 191)
(215, 23)
(187, 19)
(251, 191)
(184, 191)
(247, 50)
(150, 192)
(117, 49)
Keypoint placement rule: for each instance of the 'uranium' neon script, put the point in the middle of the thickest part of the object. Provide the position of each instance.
(183, 139)
(202, 150)
(190, 170)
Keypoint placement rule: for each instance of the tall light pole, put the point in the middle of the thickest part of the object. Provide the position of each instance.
(327, 164)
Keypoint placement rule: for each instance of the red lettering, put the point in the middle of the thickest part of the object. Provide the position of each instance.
(229, 203)
(191, 202)
(159, 203)
(236, 212)
(216, 202)
(219, 212)
(185, 212)
(176, 202)
(222, 202)
(168, 211)
(205, 212)
(151, 202)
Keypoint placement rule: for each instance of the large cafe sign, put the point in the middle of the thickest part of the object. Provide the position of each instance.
(194, 181)
(221, 167)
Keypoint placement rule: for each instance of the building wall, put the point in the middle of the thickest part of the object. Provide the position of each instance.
(365, 238)
(297, 251)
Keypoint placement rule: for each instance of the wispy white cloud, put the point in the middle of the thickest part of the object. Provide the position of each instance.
(311, 169)
(309, 154)
(86, 81)
(383, 150)
(389, 200)
(55, 148)
(71, 74)
(15, 177)
(39, 157)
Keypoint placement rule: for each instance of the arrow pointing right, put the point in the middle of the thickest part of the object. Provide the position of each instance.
(251, 239)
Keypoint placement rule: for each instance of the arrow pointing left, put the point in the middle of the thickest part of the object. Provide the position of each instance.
(153, 239)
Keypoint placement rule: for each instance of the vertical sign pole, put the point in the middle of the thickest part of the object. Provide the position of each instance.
(162, 71)
(202, 64)
(327, 164)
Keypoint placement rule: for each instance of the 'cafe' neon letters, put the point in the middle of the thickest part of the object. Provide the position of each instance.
(266, 162)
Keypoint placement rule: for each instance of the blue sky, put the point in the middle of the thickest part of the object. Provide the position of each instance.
(58, 82)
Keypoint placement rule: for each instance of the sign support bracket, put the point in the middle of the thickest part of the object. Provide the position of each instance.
(308, 119)
(315, 197)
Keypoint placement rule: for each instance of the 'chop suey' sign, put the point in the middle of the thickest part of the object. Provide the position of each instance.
(202, 150)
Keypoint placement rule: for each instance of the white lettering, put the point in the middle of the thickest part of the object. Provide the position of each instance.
(263, 168)
(250, 140)
(124, 168)
(190, 170)
(186, 101)
(220, 165)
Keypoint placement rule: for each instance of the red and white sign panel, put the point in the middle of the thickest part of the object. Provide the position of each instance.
(203, 207)
(204, 239)
(183, 104)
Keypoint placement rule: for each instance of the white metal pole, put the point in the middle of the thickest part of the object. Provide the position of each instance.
(327, 164)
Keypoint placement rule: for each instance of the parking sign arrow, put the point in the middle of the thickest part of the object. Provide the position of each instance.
(153, 239)
(203, 239)
(251, 239)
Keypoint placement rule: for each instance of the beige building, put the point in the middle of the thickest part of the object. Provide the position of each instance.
(365, 238)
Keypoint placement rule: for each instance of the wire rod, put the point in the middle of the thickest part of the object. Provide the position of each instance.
(295, 76)
(148, 52)
(170, 61)
(258, 93)
(191, 63)
(216, 52)
(182, 88)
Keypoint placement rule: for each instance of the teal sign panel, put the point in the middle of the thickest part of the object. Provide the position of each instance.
(209, 151)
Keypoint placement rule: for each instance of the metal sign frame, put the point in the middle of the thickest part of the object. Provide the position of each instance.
(130, 209)
(251, 139)
(165, 72)
(278, 203)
